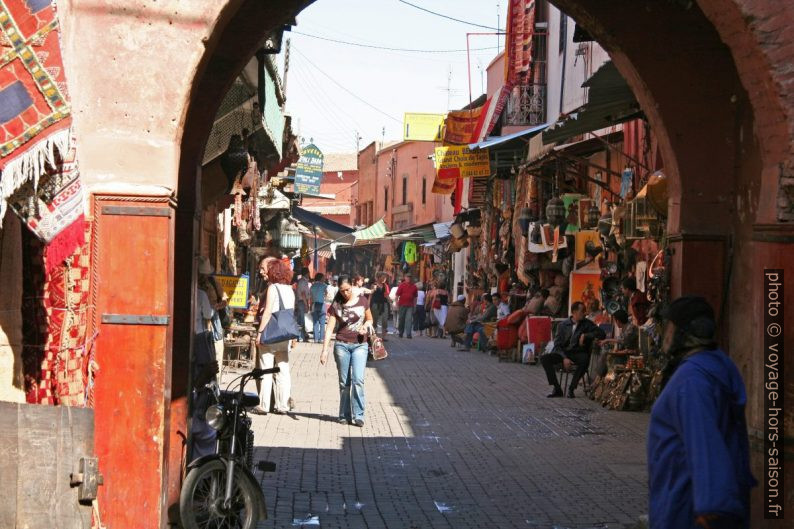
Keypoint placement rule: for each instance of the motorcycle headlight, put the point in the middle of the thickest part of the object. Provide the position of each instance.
(215, 417)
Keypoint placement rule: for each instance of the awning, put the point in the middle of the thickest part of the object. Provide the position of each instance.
(610, 101)
(331, 228)
(425, 233)
(374, 232)
(442, 229)
(500, 140)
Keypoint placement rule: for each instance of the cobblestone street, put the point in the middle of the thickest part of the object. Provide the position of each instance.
(452, 439)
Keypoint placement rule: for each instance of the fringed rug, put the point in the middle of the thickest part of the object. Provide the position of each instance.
(39, 179)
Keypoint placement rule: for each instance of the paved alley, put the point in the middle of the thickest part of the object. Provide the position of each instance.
(452, 439)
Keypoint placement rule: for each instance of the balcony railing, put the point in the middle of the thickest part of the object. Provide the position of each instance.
(526, 106)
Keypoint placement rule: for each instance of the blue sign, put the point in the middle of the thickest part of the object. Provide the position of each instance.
(309, 173)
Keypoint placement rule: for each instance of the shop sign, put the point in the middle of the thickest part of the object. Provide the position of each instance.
(458, 161)
(309, 173)
(236, 288)
(422, 127)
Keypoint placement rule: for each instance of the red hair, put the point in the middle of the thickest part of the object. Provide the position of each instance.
(279, 272)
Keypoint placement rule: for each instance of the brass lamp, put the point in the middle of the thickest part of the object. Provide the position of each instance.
(555, 211)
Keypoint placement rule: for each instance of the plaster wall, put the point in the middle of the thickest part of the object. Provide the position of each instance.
(565, 70)
(128, 67)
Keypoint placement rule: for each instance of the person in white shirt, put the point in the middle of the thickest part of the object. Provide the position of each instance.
(420, 323)
(503, 310)
(278, 296)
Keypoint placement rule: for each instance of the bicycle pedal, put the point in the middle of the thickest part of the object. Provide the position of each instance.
(266, 466)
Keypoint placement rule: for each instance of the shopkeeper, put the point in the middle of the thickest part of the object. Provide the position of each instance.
(627, 340)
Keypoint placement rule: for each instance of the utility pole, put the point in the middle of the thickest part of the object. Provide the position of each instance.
(286, 69)
(382, 137)
(358, 139)
(498, 27)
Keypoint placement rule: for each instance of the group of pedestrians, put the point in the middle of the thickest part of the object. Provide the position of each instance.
(340, 312)
(421, 309)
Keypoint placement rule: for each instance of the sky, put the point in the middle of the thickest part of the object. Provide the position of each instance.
(336, 92)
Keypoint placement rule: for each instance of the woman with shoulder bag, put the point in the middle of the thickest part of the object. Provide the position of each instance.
(349, 314)
(278, 296)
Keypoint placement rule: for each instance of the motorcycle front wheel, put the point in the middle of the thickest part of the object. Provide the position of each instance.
(201, 504)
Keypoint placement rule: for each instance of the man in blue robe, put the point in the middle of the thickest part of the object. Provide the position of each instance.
(698, 456)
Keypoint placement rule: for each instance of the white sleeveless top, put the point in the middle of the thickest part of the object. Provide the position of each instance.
(287, 297)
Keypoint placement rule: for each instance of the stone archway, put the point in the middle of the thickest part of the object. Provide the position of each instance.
(715, 81)
(239, 34)
(713, 78)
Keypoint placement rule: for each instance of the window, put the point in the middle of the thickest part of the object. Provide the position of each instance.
(386, 199)
(424, 190)
(405, 190)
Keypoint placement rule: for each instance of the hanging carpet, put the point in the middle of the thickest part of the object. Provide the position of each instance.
(39, 178)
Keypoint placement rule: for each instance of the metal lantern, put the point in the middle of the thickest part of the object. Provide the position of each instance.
(290, 238)
(593, 215)
(524, 218)
(555, 211)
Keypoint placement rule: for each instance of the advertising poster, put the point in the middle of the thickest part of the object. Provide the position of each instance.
(422, 127)
(457, 161)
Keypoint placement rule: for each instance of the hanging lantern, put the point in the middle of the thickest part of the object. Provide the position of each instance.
(524, 218)
(593, 214)
(555, 211)
(290, 238)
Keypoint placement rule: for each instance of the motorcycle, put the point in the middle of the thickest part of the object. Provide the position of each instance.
(220, 489)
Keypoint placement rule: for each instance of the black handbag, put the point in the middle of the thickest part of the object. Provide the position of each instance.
(282, 326)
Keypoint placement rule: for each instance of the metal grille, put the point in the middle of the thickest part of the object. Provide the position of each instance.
(527, 105)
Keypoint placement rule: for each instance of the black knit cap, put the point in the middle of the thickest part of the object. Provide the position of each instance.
(687, 309)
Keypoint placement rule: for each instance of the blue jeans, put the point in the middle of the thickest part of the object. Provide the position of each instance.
(300, 312)
(318, 315)
(471, 328)
(351, 359)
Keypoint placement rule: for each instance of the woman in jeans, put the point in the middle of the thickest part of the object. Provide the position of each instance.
(279, 295)
(349, 314)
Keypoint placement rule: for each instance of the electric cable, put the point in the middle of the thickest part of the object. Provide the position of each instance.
(386, 48)
(346, 89)
(449, 17)
(320, 107)
(316, 87)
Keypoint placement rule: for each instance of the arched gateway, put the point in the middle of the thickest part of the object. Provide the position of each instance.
(714, 78)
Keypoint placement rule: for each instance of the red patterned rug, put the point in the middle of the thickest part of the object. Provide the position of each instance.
(39, 179)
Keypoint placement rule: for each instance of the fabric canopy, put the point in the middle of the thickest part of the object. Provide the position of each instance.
(374, 232)
(333, 229)
(610, 102)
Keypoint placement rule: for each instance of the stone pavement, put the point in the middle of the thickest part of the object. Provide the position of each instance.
(452, 439)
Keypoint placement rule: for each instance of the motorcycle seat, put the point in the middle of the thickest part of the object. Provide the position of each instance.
(250, 399)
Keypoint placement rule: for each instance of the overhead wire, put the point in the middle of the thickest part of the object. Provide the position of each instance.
(387, 48)
(449, 17)
(332, 105)
(340, 85)
(325, 110)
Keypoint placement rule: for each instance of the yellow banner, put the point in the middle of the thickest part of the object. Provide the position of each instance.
(457, 161)
(236, 287)
(422, 127)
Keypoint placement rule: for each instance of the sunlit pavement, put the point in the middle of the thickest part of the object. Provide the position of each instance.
(452, 439)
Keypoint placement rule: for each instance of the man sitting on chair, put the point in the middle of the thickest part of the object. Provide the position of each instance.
(572, 344)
